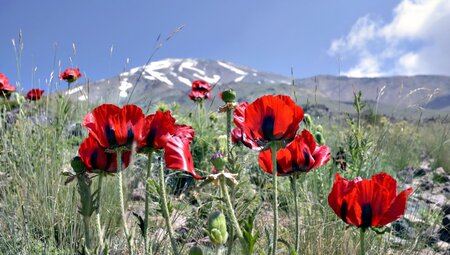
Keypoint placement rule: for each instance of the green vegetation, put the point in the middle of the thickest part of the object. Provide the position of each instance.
(39, 212)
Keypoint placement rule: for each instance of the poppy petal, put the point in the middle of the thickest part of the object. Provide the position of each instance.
(177, 156)
(396, 209)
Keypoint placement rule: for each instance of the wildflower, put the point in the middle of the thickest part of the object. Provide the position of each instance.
(70, 75)
(34, 94)
(5, 88)
(201, 90)
(96, 158)
(115, 127)
(237, 136)
(269, 118)
(301, 155)
(160, 132)
(368, 203)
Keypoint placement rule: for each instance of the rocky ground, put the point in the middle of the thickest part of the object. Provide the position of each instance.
(427, 218)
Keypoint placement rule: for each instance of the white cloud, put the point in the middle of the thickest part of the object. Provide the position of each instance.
(415, 41)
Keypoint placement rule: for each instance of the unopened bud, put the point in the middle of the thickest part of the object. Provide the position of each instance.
(195, 250)
(77, 165)
(319, 138)
(219, 161)
(228, 96)
(217, 228)
(308, 120)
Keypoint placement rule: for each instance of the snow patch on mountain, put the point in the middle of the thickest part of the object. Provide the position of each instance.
(232, 68)
(240, 78)
(185, 81)
(74, 90)
(124, 86)
(190, 64)
(211, 80)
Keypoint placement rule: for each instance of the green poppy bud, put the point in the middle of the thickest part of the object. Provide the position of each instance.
(213, 117)
(319, 128)
(308, 120)
(319, 138)
(228, 96)
(77, 165)
(219, 161)
(217, 228)
(195, 250)
(162, 107)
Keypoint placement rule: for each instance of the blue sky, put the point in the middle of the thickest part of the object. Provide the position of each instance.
(369, 37)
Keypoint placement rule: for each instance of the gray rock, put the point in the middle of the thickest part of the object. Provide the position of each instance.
(403, 229)
(426, 184)
(406, 175)
(419, 172)
(446, 209)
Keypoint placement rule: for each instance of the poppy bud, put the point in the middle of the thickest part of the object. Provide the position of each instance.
(319, 128)
(217, 228)
(308, 120)
(319, 138)
(77, 165)
(196, 250)
(228, 96)
(213, 117)
(219, 161)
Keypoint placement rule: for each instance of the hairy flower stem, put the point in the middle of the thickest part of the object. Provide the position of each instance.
(165, 209)
(362, 250)
(122, 203)
(229, 206)
(274, 148)
(228, 131)
(147, 247)
(87, 233)
(297, 227)
(97, 214)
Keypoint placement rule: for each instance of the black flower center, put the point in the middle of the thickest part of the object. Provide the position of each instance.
(366, 216)
(344, 211)
(111, 136)
(268, 124)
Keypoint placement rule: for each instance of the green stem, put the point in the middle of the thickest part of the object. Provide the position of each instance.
(228, 131)
(297, 227)
(147, 247)
(230, 210)
(122, 203)
(361, 243)
(165, 209)
(97, 214)
(274, 148)
(87, 233)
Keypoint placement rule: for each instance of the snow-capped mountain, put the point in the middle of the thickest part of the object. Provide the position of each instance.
(170, 80)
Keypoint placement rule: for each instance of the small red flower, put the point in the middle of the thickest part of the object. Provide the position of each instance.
(301, 155)
(34, 94)
(270, 118)
(368, 203)
(5, 88)
(200, 90)
(114, 127)
(70, 75)
(95, 157)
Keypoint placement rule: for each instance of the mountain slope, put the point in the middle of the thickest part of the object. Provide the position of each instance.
(170, 80)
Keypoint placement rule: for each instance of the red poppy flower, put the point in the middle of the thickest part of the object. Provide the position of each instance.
(301, 155)
(5, 87)
(157, 129)
(237, 136)
(177, 155)
(270, 118)
(35, 94)
(185, 132)
(200, 90)
(70, 75)
(368, 203)
(114, 127)
(95, 157)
